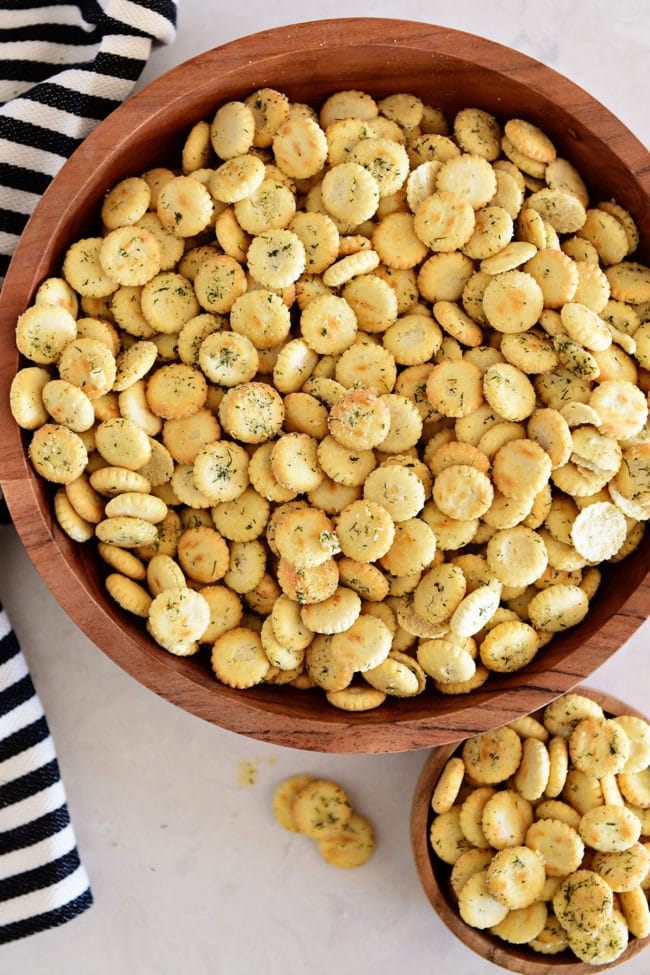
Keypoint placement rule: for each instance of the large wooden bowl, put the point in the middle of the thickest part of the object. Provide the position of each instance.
(434, 876)
(448, 69)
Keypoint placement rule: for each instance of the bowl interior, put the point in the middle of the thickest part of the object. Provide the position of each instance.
(448, 69)
(434, 874)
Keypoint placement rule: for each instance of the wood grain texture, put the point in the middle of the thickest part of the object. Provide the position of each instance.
(434, 875)
(449, 69)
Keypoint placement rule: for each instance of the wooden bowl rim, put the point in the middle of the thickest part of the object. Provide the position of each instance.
(264, 713)
(515, 957)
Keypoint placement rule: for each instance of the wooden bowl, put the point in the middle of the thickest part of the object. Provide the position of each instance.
(447, 68)
(434, 875)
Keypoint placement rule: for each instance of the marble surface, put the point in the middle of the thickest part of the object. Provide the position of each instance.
(189, 870)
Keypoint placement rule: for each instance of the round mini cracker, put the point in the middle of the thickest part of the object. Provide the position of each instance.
(359, 420)
(493, 756)
(321, 808)
(446, 836)
(469, 863)
(559, 844)
(232, 129)
(89, 364)
(445, 662)
(130, 255)
(621, 406)
(26, 397)
(305, 537)
(396, 242)
(516, 876)
(610, 829)
(328, 324)
(276, 258)
(294, 462)
(57, 453)
(455, 389)
(510, 257)
(599, 746)
(220, 470)
(128, 594)
(283, 798)
(444, 221)
(228, 359)
(43, 332)
(598, 531)
(508, 391)
(558, 607)
(397, 489)
(178, 615)
(638, 732)
(530, 140)
(524, 925)
(603, 945)
(281, 657)
(356, 698)
(560, 207)
(135, 504)
(83, 271)
(176, 390)
(363, 645)
(583, 901)
(163, 572)
(469, 175)
(311, 584)
(439, 592)
(509, 646)
(69, 519)
(478, 132)
(448, 785)
(350, 266)
(516, 556)
(350, 193)
(558, 753)
(373, 300)
(238, 658)
(635, 787)
(320, 238)
(351, 846)
(521, 467)
(513, 301)
(506, 818)
(562, 715)
(203, 554)
(471, 816)
(385, 159)
(531, 778)
(365, 530)
(477, 905)
(463, 492)
(252, 412)
(623, 870)
(475, 610)
(532, 351)
(333, 615)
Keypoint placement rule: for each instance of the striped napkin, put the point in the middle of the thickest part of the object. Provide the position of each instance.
(63, 67)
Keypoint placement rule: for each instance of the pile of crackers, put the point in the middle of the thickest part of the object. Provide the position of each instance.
(543, 824)
(351, 397)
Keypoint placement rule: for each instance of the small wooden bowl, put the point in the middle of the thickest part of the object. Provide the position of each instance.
(434, 875)
(449, 69)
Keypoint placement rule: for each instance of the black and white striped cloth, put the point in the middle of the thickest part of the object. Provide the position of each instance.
(42, 880)
(63, 67)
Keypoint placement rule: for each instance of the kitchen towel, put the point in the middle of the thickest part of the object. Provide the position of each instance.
(63, 68)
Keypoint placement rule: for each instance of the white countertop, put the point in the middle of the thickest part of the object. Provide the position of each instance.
(189, 870)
